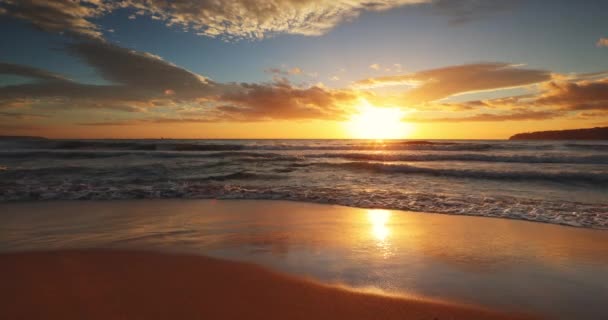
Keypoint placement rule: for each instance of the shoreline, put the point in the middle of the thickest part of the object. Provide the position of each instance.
(298, 201)
(108, 284)
(492, 263)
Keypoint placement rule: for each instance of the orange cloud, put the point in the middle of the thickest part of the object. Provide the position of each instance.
(576, 95)
(283, 101)
(295, 70)
(602, 42)
(145, 88)
(435, 84)
(579, 99)
(493, 117)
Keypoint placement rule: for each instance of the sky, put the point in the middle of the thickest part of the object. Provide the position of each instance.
(420, 69)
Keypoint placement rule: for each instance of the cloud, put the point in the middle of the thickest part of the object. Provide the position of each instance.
(59, 15)
(583, 92)
(295, 70)
(230, 19)
(29, 72)
(435, 84)
(374, 66)
(276, 71)
(602, 42)
(10, 128)
(283, 101)
(21, 115)
(582, 96)
(142, 82)
(576, 95)
(135, 77)
(147, 89)
(15, 103)
(493, 117)
(284, 72)
(137, 69)
(108, 123)
(454, 106)
(131, 122)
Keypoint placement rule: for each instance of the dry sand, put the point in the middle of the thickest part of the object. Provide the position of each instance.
(103, 284)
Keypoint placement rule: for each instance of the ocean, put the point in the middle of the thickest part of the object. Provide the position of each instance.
(560, 182)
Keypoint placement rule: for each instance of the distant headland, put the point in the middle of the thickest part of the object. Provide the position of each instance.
(597, 133)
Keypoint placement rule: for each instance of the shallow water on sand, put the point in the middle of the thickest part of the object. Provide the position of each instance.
(557, 271)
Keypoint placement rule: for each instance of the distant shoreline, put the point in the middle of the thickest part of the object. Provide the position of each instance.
(597, 133)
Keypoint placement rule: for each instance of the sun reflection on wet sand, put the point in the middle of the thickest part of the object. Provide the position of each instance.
(378, 219)
(381, 232)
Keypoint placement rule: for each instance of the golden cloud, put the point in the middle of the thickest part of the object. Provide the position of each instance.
(435, 84)
(229, 19)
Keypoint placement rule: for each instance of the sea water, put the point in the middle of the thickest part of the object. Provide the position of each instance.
(562, 182)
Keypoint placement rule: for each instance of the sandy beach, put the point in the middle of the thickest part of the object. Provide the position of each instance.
(174, 258)
(103, 284)
(303, 159)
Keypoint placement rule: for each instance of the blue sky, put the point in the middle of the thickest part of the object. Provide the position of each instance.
(559, 37)
(556, 35)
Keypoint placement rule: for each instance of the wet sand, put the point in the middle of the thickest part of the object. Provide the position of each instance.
(553, 271)
(104, 284)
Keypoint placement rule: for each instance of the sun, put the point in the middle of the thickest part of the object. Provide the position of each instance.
(378, 123)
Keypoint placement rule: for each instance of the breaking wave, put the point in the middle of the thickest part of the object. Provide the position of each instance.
(590, 159)
(226, 145)
(562, 182)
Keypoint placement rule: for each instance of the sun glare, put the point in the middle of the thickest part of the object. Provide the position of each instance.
(378, 123)
(379, 219)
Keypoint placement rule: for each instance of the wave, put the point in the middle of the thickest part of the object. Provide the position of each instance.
(134, 172)
(95, 154)
(564, 177)
(143, 145)
(208, 145)
(591, 159)
(212, 171)
(255, 155)
(241, 175)
(589, 147)
(558, 212)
